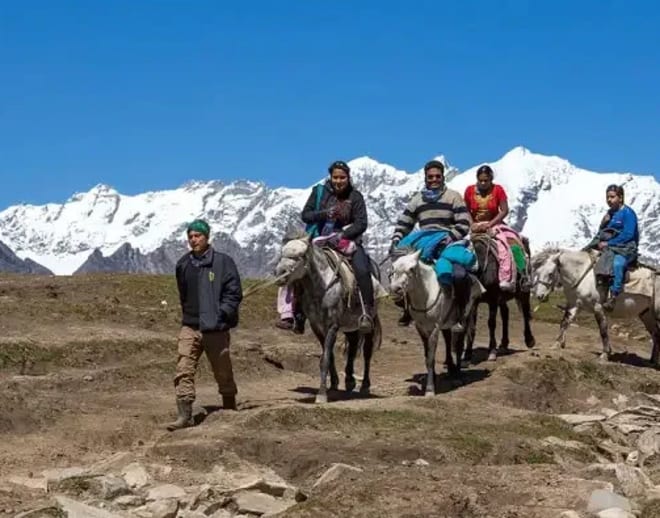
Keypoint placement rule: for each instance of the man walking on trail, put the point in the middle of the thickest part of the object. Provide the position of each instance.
(210, 294)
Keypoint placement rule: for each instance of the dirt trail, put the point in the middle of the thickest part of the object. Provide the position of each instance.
(93, 382)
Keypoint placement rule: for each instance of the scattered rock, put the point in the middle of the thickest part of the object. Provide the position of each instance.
(35, 513)
(421, 462)
(601, 499)
(164, 492)
(591, 401)
(126, 501)
(135, 475)
(648, 443)
(581, 418)
(633, 458)
(57, 475)
(74, 509)
(88, 377)
(109, 486)
(30, 483)
(112, 462)
(614, 512)
(335, 471)
(240, 475)
(253, 502)
(634, 482)
(166, 508)
(204, 493)
(569, 514)
(160, 470)
(569, 445)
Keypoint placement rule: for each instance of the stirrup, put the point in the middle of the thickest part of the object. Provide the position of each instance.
(365, 323)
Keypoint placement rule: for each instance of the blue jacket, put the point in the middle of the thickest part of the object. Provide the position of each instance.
(624, 224)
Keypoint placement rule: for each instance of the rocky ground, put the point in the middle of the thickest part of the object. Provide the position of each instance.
(86, 369)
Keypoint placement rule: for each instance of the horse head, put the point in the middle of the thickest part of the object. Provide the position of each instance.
(292, 264)
(403, 268)
(546, 273)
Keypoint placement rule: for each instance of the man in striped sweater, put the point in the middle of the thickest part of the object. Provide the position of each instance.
(434, 208)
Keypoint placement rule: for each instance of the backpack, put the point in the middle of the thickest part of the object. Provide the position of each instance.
(313, 228)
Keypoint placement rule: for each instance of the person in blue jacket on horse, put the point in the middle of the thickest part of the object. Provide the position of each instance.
(618, 237)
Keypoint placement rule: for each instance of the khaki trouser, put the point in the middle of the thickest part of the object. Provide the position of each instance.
(216, 345)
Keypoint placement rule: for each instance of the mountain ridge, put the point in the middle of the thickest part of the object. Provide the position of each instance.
(551, 200)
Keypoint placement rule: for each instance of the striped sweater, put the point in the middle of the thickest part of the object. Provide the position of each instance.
(448, 213)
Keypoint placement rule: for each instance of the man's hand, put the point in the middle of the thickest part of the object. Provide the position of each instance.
(602, 245)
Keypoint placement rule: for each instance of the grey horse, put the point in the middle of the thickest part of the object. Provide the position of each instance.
(325, 302)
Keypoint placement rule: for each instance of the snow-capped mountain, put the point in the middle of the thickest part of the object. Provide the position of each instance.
(551, 201)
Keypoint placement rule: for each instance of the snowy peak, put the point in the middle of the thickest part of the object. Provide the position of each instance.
(551, 200)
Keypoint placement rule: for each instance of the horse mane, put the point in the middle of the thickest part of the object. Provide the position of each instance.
(293, 234)
(541, 257)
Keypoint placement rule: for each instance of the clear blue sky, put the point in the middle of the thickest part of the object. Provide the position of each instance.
(146, 94)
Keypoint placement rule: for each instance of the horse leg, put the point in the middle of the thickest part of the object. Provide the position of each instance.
(504, 314)
(601, 319)
(431, 347)
(470, 335)
(651, 324)
(457, 344)
(326, 357)
(367, 351)
(567, 319)
(526, 310)
(332, 371)
(492, 326)
(451, 339)
(353, 339)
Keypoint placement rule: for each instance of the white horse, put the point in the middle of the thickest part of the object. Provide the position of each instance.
(431, 308)
(573, 270)
(324, 301)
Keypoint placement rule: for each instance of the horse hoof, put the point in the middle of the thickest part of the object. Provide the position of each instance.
(492, 356)
(364, 391)
(604, 357)
(530, 343)
(465, 364)
(429, 393)
(350, 386)
(321, 398)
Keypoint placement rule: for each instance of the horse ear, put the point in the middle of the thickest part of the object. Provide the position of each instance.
(417, 255)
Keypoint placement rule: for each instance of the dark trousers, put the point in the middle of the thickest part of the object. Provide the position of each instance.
(362, 269)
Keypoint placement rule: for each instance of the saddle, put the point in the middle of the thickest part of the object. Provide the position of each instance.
(639, 278)
(342, 266)
(519, 250)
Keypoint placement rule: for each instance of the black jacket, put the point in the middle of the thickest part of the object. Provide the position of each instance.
(358, 221)
(219, 290)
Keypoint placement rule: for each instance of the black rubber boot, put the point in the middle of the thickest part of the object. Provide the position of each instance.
(229, 402)
(185, 420)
